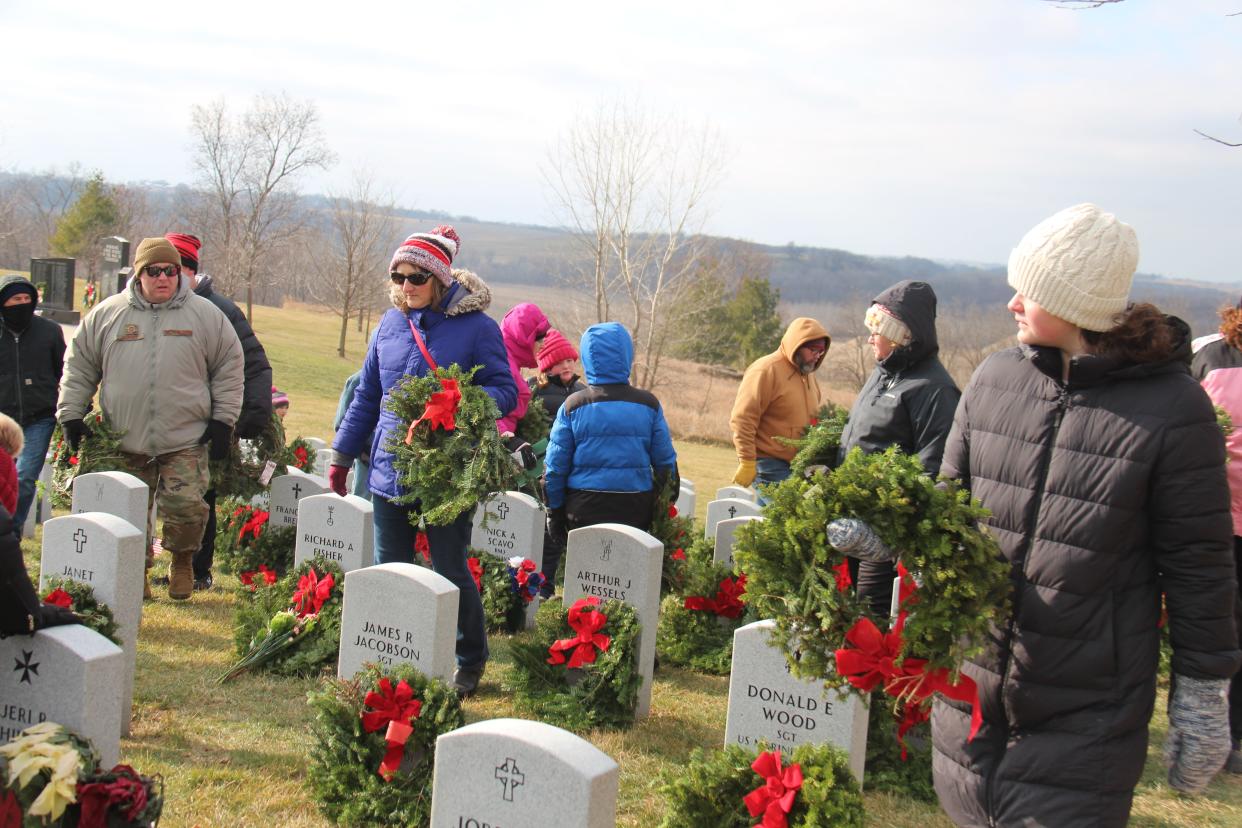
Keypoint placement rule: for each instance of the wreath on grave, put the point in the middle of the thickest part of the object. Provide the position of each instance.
(676, 532)
(819, 442)
(731, 787)
(696, 627)
(52, 777)
(247, 543)
(373, 745)
(240, 475)
(507, 587)
(298, 454)
(97, 452)
(579, 670)
(291, 627)
(826, 633)
(80, 598)
(450, 457)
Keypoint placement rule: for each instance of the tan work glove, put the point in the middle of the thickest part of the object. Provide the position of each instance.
(745, 474)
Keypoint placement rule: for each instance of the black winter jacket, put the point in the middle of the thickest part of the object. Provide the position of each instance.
(1103, 492)
(31, 364)
(256, 410)
(553, 393)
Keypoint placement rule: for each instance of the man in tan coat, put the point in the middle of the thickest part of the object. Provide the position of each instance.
(169, 370)
(779, 397)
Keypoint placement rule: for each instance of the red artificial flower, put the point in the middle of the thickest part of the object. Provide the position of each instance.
(844, 580)
(312, 593)
(127, 792)
(247, 578)
(678, 554)
(423, 546)
(775, 797)
(728, 600)
(396, 708)
(240, 509)
(476, 572)
(269, 576)
(300, 454)
(587, 622)
(58, 597)
(10, 810)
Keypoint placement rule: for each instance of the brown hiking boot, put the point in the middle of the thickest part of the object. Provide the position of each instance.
(181, 576)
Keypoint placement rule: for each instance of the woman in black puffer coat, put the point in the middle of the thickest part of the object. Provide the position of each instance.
(1103, 468)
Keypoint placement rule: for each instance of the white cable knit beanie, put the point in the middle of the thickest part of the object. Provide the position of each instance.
(1077, 265)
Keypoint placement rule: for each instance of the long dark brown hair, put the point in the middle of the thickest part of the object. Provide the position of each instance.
(1142, 335)
(1231, 325)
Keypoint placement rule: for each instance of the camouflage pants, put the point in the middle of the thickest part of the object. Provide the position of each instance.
(178, 480)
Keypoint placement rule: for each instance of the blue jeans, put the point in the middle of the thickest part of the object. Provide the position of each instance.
(394, 543)
(38, 435)
(769, 470)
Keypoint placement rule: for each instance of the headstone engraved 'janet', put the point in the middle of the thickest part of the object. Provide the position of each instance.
(108, 554)
(740, 492)
(515, 523)
(399, 613)
(611, 561)
(768, 704)
(337, 529)
(70, 675)
(727, 509)
(514, 773)
(287, 490)
(114, 492)
(726, 530)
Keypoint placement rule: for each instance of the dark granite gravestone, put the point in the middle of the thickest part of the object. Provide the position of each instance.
(54, 279)
(113, 266)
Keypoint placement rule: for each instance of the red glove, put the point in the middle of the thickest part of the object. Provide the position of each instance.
(336, 478)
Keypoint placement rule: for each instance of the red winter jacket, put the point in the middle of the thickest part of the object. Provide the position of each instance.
(8, 482)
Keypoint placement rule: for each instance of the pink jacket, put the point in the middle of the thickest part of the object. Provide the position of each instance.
(1218, 366)
(522, 325)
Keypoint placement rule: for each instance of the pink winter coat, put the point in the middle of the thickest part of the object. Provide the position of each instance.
(1218, 366)
(522, 325)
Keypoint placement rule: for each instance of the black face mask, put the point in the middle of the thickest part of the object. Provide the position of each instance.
(17, 317)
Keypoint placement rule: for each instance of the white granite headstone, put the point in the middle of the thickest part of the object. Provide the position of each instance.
(399, 613)
(70, 675)
(107, 553)
(687, 484)
(323, 460)
(114, 492)
(725, 532)
(287, 490)
(612, 561)
(686, 501)
(515, 524)
(768, 704)
(515, 773)
(740, 492)
(315, 443)
(337, 529)
(727, 509)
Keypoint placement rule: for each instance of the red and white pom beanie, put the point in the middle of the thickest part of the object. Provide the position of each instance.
(433, 251)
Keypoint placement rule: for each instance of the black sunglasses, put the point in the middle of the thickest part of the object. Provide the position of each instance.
(420, 278)
(156, 271)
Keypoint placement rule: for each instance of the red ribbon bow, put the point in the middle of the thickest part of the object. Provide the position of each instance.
(775, 797)
(844, 580)
(97, 798)
(312, 593)
(397, 709)
(907, 588)
(58, 597)
(300, 454)
(441, 409)
(254, 525)
(476, 572)
(423, 546)
(587, 622)
(728, 600)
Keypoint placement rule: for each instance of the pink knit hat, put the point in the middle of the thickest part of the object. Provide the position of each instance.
(433, 252)
(555, 348)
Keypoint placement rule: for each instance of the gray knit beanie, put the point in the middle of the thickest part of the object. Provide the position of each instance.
(1077, 265)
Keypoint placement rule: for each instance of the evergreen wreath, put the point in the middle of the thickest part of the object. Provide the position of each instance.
(80, 598)
(247, 542)
(450, 457)
(536, 424)
(820, 441)
(298, 454)
(504, 598)
(239, 475)
(797, 578)
(345, 755)
(701, 639)
(676, 532)
(711, 791)
(895, 763)
(271, 612)
(598, 694)
(98, 451)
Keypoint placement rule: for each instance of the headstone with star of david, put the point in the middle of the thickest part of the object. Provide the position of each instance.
(726, 530)
(515, 524)
(337, 529)
(398, 613)
(740, 492)
(726, 509)
(287, 490)
(70, 675)
(613, 561)
(114, 492)
(514, 773)
(109, 555)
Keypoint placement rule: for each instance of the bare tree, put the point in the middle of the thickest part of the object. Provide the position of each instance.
(361, 222)
(850, 359)
(249, 167)
(633, 188)
(45, 197)
(970, 332)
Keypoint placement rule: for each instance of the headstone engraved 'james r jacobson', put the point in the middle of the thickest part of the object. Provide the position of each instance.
(768, 704)
(70, 675)
(514, 773)
(287, 490)
(337, 529)
(740, 492)
(108, 554)
(726, 509)
(399, 613)
(612, 561)
(515, 523)
(726, 531)
(114, 492)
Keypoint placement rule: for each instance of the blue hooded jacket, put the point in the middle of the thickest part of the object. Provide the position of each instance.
(461, 335)
(609, 437)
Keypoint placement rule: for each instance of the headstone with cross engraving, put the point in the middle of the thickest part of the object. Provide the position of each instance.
(70, 675)
(726, 509)
(521, 774)
(612, 561)
(725, 532)
(337, 529)
(515, 523)
(114, 492)
(108, 554)
(686, 501)
(768, 704)
(399, 613)
(287, 490)
(739, 492)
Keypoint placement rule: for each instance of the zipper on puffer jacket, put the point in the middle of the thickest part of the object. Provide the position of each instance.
(17, 380)
(1037, 504)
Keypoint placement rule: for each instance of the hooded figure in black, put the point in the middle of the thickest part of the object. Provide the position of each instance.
(908, 401)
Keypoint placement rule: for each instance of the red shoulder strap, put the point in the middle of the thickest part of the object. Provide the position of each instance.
(422, 346)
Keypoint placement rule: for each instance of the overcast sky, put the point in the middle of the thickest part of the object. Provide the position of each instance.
(937, 128)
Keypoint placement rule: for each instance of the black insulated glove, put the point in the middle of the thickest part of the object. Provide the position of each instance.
(219, 435)
(74, 431)
(523, 455)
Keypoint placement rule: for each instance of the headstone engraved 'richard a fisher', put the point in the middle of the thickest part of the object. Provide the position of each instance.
(114, 492)
(108, 554)
(612, 561)
(768, 704)
(287, 490)
(726, 531)
(732, 507)
(514, 773)
(515, 523)
(337, 529)
(70, 675)
(399, 613)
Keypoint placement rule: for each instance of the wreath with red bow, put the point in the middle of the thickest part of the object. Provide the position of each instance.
(579, 670)
(696, 627)
(98, 451)
(79, 598)
(373, 745)
(306, 602)
(247, 542)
